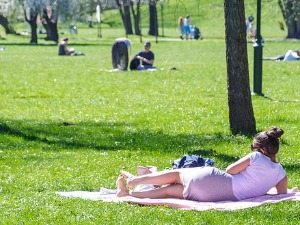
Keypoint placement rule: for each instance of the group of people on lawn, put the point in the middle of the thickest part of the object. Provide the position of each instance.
(143, 60)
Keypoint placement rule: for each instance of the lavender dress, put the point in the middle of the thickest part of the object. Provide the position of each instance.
(207, 184)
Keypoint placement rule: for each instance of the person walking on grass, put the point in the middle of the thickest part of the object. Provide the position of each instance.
(251, 176)
(187, 29)
(180, 26)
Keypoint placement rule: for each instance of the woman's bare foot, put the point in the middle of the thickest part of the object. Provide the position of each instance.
(122, 190)
(130, 179)
(126, 174)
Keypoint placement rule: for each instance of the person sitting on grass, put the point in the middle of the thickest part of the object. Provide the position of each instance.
(63, 49)
(251, 176)
(146, 57)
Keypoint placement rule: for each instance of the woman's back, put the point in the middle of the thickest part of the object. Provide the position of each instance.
(258, 178)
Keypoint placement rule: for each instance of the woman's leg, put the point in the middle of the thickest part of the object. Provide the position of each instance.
(159, 178)
(169, 191)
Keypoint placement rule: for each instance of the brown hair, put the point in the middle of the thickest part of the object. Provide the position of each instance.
(268, 140)
(180, 20)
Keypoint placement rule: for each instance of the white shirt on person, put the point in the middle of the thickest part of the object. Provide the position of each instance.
(187, 22)
(258, 178)
(291, 55)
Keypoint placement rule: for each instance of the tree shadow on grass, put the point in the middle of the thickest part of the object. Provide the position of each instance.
(105, 136)
(55, 44)
(109, 136)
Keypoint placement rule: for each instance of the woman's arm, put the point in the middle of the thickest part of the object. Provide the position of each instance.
(239, 165)
(281, 187)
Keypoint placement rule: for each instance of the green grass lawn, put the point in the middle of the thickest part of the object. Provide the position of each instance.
(68, 123)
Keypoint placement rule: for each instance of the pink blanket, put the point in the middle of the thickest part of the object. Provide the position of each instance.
(293, 195)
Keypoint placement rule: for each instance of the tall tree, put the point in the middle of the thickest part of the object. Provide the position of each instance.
(4, 22)
(136, 16)
(50, 11)
(91, 8)
(153, 26)
(7, 10)
(31, 11)
(241, 115)
(124, 9)
(31, 18)
(50, 16)
(290, 10)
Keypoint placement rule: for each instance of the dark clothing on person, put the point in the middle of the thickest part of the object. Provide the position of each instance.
(196, 33)
(61, 50)
(134, 64)
(147, 55)
(250, 19)
(276, 58)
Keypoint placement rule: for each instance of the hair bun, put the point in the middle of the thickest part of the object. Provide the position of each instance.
(275, 132)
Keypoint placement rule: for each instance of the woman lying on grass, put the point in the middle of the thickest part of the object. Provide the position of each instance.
(251, 176)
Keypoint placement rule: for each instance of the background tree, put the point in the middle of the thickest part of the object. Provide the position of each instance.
(50, 11)
(91, 8)
(241, 115)
(291, 13)
(32, 9)
(136, 16)
(47, 10)
(124, 9)
(153, 23)
(7, 27)
(50, 17)
(7, 9)
(31, 18)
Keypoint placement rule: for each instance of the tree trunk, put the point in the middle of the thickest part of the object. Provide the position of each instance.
(298, 27)
(136, 17)
(52, 33)
(128, 19)
(290, 19)
(33, 26)
(290, 10)
(241, 116)
(282, 9)
(153, 26)
(125, 15)
(5, 24)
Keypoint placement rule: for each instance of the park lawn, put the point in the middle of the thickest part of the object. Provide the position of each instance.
(69, 123)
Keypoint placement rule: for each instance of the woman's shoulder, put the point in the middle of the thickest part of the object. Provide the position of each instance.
(255, 155)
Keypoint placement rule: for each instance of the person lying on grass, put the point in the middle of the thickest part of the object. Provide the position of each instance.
(253, 175)
(288, 56)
